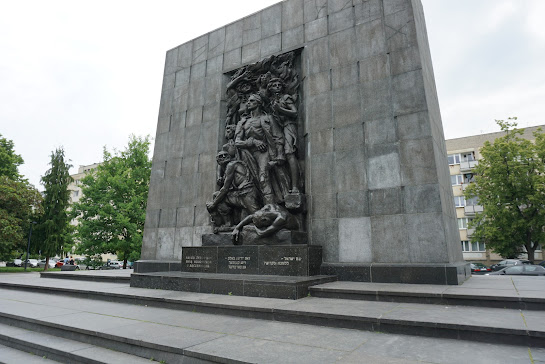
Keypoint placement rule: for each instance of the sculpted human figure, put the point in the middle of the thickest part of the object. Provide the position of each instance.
(237, 191)
(268, 220)
(230, 148)
(262, 137)
(285, 112)
(238, 91)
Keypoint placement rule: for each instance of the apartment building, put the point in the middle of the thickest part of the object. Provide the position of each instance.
(463, 156)
(74, 186)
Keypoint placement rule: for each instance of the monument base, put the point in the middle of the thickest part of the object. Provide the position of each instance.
(230, 284)
(146, 266)
(280, 260)
(432, 273)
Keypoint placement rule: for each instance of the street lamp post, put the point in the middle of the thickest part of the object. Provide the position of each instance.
(28, 246)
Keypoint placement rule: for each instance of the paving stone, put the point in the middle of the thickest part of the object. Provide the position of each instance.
(10, 355)
(248, 349)
(402, 348)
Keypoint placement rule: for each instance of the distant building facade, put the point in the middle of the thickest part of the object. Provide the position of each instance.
(463, 156)
(75, 186)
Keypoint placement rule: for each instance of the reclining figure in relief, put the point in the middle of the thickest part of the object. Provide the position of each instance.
(267, 221)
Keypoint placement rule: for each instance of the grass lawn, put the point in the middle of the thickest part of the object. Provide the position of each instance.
(22, 269)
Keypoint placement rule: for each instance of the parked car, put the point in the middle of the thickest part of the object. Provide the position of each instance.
(59, 263)
(32, 263)
(69, 266)
(521, 270)
(477, 268)
(542, 264)
(508, 263)
(114, 264)
(52, 263)
(17, 262)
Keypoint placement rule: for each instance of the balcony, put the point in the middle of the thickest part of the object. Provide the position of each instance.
(464, 186)
(470, 233)
(471, 210)
(467, 166)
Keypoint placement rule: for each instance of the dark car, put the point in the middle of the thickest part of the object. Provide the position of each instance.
(508, 263)
(521, 270)
(69, 266)
(477, 268)
(542, 264)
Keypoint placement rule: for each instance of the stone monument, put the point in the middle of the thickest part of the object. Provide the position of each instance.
(304, 139)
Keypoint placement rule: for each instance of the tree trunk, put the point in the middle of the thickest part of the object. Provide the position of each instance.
(530, 249)
(46, 264)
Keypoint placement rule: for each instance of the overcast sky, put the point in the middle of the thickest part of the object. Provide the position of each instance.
(84, 75)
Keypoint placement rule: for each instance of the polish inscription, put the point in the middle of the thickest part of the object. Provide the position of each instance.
(198, 261)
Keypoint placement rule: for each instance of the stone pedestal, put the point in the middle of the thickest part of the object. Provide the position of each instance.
(280, 260)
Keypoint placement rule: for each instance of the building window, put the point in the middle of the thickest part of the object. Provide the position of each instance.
(75, 193)
(459, 201)
(462, 223)
(474, 201)
(468, 157)
(473, 246)
(453, 159)
(468, 178)
(457, 179)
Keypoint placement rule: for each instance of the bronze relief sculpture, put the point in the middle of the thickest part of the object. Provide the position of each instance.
(258, 166)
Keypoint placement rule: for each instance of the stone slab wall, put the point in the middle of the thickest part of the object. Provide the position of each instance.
(375, 162)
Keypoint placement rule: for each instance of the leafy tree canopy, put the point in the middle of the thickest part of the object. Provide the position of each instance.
(55, 223)
(112, 210)
(9, 160)
(510, 185)
(20, 202)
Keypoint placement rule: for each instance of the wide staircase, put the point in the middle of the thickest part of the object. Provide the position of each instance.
(96, 317)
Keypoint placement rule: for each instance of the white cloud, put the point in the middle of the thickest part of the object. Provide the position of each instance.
(497, 15)
(535, 11)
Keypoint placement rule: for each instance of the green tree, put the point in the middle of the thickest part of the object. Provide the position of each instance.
(55, 223)
(20, 202)
(510, 185)
(9, 161)
(112, 210)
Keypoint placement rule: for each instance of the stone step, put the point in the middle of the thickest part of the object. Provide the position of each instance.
(35, 339)
(270, 286)
(511, 326)
(121, 277)
(13, 356)
(440, 295)
(204, 338)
